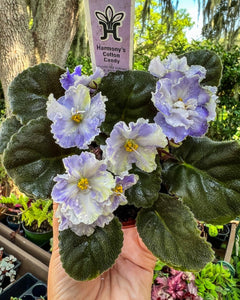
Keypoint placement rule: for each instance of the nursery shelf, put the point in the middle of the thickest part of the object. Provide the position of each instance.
(25, 244)
(33, 259)
(234, 225)
(226, 253)
(26, 287)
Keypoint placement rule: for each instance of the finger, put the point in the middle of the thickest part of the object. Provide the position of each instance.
(55, 227)
(60, 285)
(136, 251)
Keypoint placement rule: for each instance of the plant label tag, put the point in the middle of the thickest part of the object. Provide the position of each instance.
(110, 32)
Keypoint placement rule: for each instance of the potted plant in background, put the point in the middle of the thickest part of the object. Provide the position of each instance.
(217, 234)
(173, 284)
(11, 209)
(8, 268)
(14, 221)
(215, 282)
(35, 216)
(37, 221)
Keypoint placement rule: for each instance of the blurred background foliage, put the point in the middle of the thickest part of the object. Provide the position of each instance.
(160, 29)
(153, 36)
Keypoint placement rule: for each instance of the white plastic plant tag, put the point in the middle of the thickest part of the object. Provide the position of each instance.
(110, 32)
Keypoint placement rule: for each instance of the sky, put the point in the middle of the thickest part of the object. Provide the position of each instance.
(192, 8)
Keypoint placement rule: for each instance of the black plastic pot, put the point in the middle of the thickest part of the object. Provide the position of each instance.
(28, 287)
(11, 224)
(223, 236)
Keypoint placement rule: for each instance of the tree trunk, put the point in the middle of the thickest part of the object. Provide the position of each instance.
(80, 45)
(49, 39)
(16, 43)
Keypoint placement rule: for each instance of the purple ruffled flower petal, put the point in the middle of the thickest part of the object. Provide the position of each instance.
(83, 194)
(68, 79)
(184, 107)
(174, 68)
(122, 184)
(74, 79)
(76, 117)
(81, 228)
(136, 143)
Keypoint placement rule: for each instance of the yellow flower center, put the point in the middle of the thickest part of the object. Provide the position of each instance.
(83, 184)
(130, 145)
(180, 99)
(118, 189)
(77, 117)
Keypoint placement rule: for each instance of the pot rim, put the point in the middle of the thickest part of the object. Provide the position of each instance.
(34, 232)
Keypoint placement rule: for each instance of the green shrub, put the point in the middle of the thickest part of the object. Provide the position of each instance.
(72, 62)
(215, 282)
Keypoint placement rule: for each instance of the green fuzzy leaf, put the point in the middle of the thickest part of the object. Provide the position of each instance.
(8, 128)
(129, 97)
(210, 61)
(85, 258)
(146, 191)
(29, 91)
(32, 159)
(207, 178)
(170, 231)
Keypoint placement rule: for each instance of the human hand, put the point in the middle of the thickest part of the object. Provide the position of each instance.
(130, 277)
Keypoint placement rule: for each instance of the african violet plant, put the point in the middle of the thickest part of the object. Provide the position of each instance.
(97, 143)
